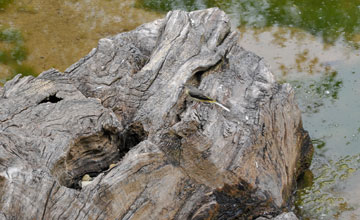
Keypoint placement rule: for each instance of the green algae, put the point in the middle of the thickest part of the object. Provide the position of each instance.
(13, 52)
(322, 198)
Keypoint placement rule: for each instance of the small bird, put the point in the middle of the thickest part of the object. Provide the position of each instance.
(198, 95)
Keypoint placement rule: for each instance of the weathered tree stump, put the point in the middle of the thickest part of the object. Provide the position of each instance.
(120, 115)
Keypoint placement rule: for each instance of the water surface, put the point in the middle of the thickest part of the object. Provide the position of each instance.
(55, 34)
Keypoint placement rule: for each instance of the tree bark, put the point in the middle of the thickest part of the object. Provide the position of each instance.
(121, 116)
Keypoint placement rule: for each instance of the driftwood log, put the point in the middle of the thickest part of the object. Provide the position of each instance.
(120, 117)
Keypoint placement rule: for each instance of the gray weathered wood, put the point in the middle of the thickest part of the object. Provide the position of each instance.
(120, 114)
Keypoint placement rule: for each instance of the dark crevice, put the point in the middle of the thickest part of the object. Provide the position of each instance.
(178, 117)
(202, 71)
(51, 99)
(242, 201)
(93, 154)
(131, 137)
(47, 200)
(263, 130)
(178, 109)
(221, 41)
(197, 77)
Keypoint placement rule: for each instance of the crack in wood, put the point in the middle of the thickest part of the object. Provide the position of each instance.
(47, 200)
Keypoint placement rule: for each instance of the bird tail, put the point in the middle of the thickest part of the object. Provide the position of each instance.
(222, 106)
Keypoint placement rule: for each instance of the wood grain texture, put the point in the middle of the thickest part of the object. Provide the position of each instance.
(124, 104)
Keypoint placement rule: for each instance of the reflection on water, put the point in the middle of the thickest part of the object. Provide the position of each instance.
(293, 53)
(313, 45)
(329, 19)
(58, 33)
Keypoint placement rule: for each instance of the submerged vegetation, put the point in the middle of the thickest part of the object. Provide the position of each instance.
(321, 198)
(320, 90)
(13, 52)
(4, 3)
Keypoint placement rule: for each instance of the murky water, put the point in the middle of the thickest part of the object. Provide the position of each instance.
(36, 35)
(314, 45)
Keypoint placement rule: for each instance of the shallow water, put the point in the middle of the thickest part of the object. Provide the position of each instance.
(55, 34)
(313, 45)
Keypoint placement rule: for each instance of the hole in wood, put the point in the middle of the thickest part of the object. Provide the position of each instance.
(94, 154)
(51, 99)
(131, 137)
